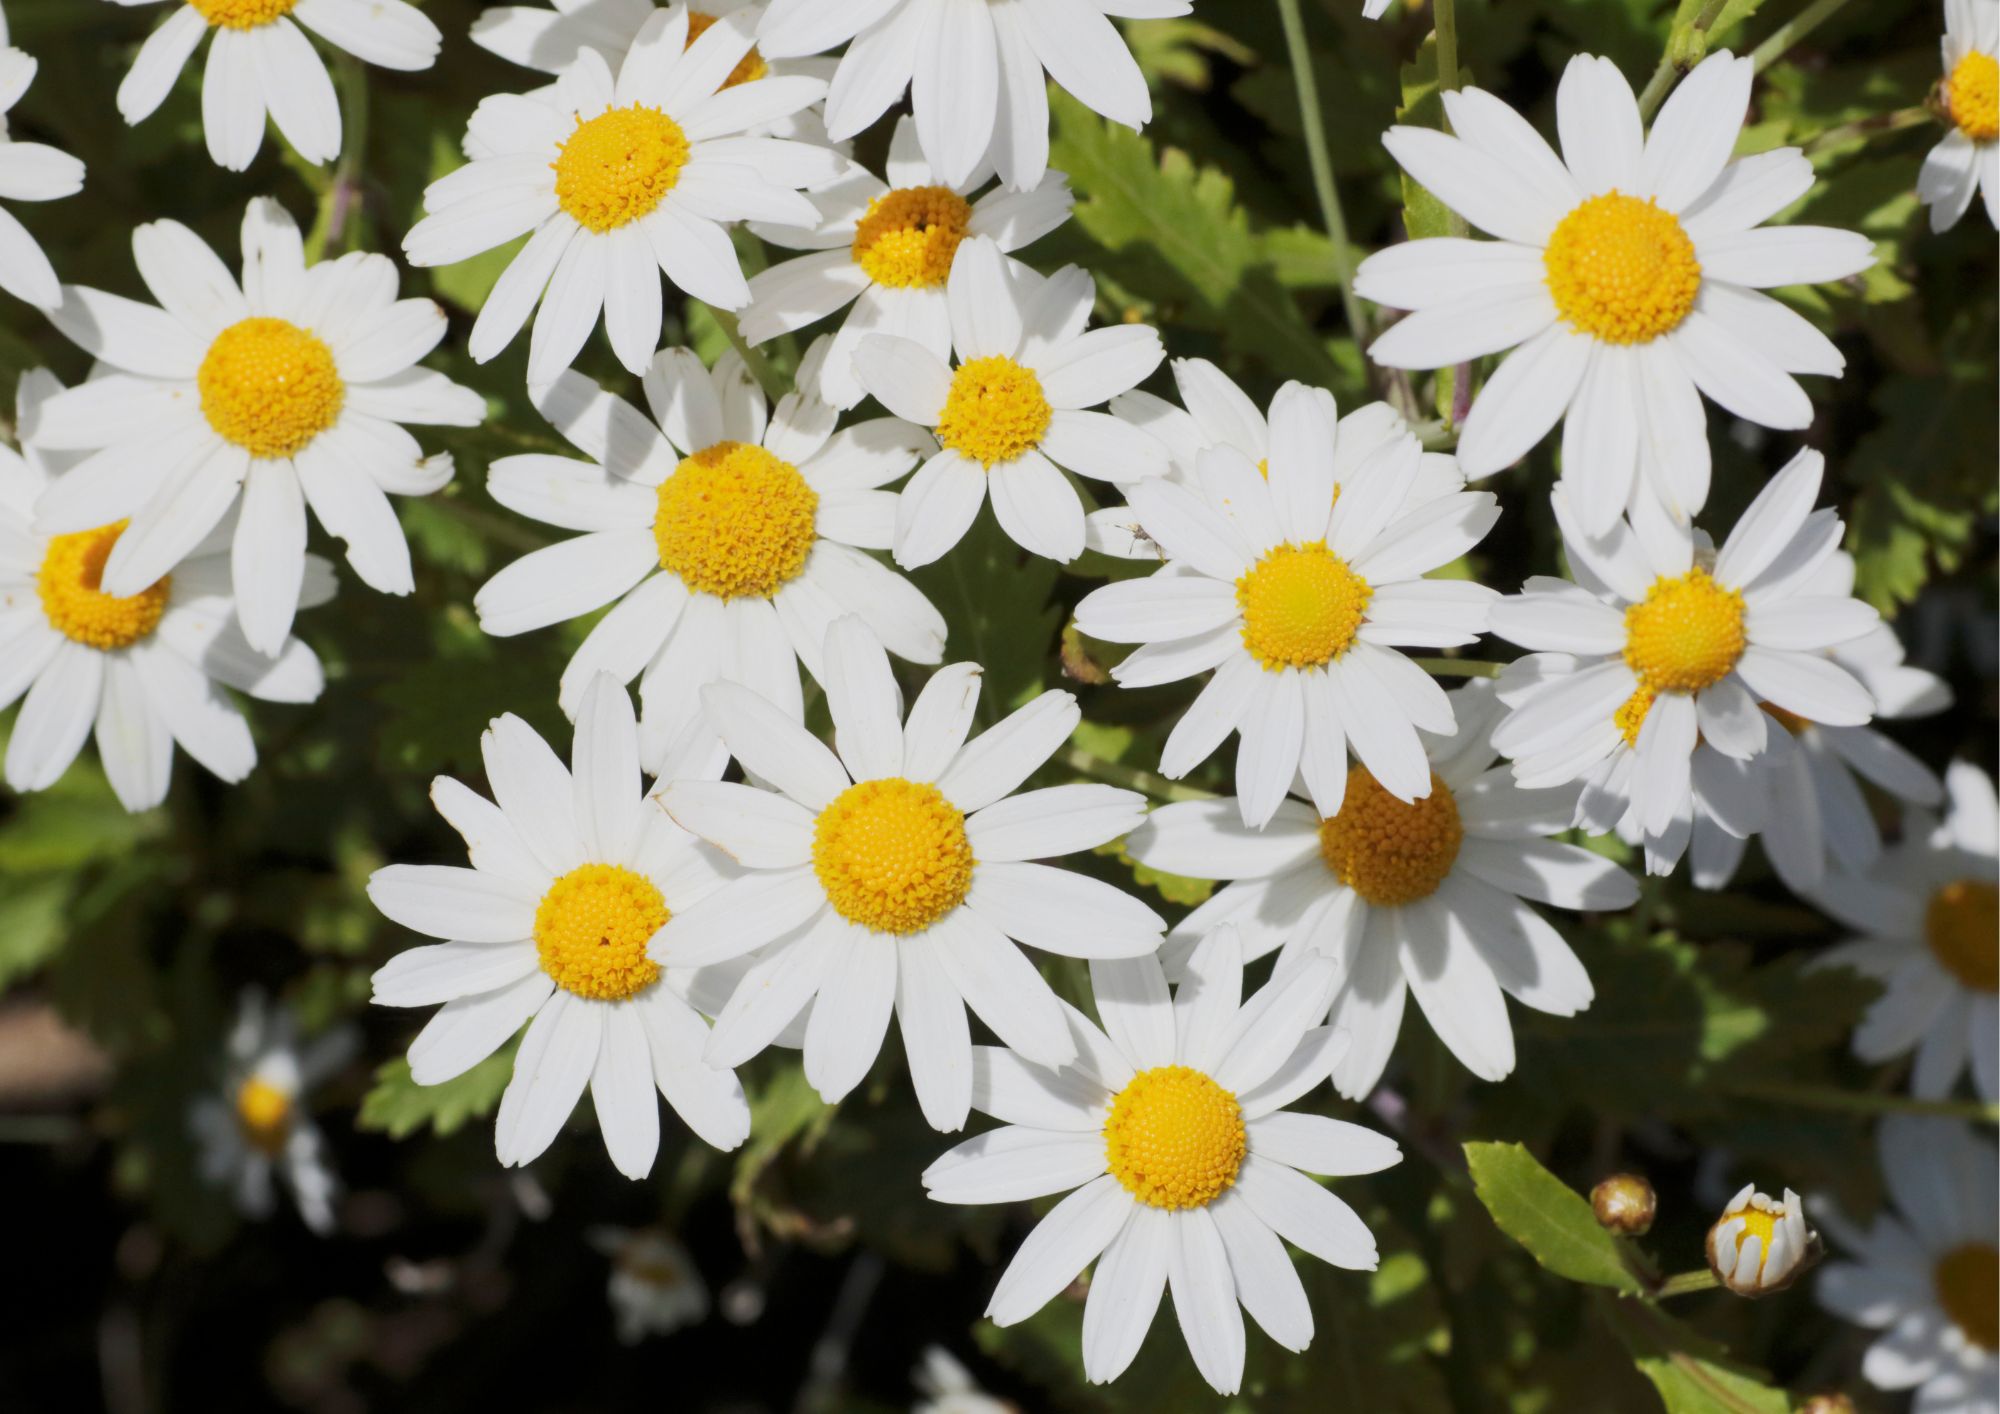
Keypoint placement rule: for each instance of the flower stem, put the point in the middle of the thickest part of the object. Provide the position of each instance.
(760, 367)
(1116, 773)
(336, 221)
(1874, 125)
(1446, 23)
(1683, 1283)
(1460, 668)
(1685, 49)
(1321, 162)
(1819, 1097)
(1792, 31)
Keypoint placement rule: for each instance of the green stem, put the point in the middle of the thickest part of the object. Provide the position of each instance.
(1446, 24)
(760, 367)
(337, 219)
(1792, 31)
(1684, 1283)
(1130, 777)
(1874, 125)
(1818, 1097)
(1685, 49)
(1321, 162)
(1460, 668)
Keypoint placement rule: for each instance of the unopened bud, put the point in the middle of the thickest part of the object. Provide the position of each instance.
(1625, 1204)
(1827, 1404)
(1760, 1245)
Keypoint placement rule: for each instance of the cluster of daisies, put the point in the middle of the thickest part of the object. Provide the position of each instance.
(646, 925)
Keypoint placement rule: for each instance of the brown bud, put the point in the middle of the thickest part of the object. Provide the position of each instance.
(1625, 1204)
(1827, 1404)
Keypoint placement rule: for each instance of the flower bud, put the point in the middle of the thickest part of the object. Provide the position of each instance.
(1827, 1404)
(1760, 1245)
(1625, 1204)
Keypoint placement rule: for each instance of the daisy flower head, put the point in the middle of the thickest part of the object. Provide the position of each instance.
(1628, 272)
(621, 180)
(1429, 897)
(655, 1288)
(1968, 98)
(887, 248)
(1013, 409)
(896, 876)
(285, 392)
(1299, 599)
(29, 171)
(726, 537)
(260, 62)
(572, 874)
(1183, 1168)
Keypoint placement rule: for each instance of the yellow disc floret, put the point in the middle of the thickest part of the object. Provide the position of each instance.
(1630, 718)
(1301, 606)
(749, 68)
(263, 1115)
(1174, 1138)
(995, 412)
(242, 14)
(1972, 96)
(269, 386)
(71, 571)
(908, 237)
(1962, 925)
(892, 855)
(591, 930)
(1686, 634)
(735, 521)
(618, 166)
(1968, 1287)
(1622, 269)
(1760, 1223)
(1388, 851)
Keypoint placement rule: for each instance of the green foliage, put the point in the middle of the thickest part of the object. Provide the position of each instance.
(1546, 1216)
(399, 1107)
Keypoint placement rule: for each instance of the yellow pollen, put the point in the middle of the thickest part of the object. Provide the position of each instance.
(591, 930)
(242, 14)
(1790, 721)
(1962, 925)
(1968, 1287)
(72, 568)
(995, 412)
(1686, 634)
(1759, 1223)
(269, 386)
(749, 68)
(1389, 852)
(1301, 606)
(1174, 1138)
(892, 855)
(617, 167)
(735, 522)
(264, 1115)
(909, 236)
(1631, 717)
(1622, 269)
(1972, 96)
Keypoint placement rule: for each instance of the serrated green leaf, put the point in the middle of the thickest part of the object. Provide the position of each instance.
(1546, 1216)
(397, 1106)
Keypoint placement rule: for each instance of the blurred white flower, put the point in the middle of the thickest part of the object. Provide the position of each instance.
(655, 1287)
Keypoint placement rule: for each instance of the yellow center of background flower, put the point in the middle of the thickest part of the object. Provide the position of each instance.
(1962, 925)
(735, 522)
(618, 166)
(591, 930)
(995, 412)
(1760, 1224)
(909, 236)
(1301, 606)
(242, 14)
(269, 386)
(1968, 1287)
(1686, 634)
(1630, 718)
(1972, 96)
(749, 68)
(1390, 851)
(1174, 1138)
(892, 855)
(1622, 269)
(263, 1116)
(68, 580)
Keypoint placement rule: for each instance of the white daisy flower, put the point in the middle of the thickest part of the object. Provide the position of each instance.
(261, 62)
(29, 171)
(1014, 407)
(655, 1287)
(1628, 272)
(1658, 645)
(621, 181)
(1298, 599)
(974, 71)
(1925, 1273)
(945, 1386)
(1760, 1245)
(1968, 160)
(888, 249)
(285, 392)
(896, 876)
(1429, 897)
(1188, 1172)
(257, 1128)
(727, 539)
(1929, 912)
(571, 877)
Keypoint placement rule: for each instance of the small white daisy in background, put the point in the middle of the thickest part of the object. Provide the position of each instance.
(257, 1129)
(726, 537)
(1188, 1172)
(1629, 273)
(655, 1287)
(1927, 1271)
(285, 392)
(1013, 410)
(29, 171)
(621, 181)
(260, 62)
(896, 876)
(945, 1386)
(1660, 647)
(975, 71)
(1968, 97)
(1929, 912)
(1299, 599)
(572, 874)
(1760, 1245)
(888, 249)
(1429, 897)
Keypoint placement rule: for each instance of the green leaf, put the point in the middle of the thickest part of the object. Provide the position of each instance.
(397, 1106)
(1692, 1374)
(31, 925)
(1546, 1216)
(996, 597)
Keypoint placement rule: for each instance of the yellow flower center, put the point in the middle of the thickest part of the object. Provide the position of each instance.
(995, 412)
(1622, 269)
(1759, 1223)
(591, 930)
(269, 386)
(1972, 96)
(263, 1115)
(1301, 606)
(1685, 635)
(892, 855)
(749, 68)
(1174, 1138)
(909, 236)
(242, 14)
(1962, 926)
(735, 522)
(616, 167)
(72, 568)
(1388, 851)
(1968, 1287)
(1631, 717)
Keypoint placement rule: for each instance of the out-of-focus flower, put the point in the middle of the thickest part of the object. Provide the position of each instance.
(947, 1387)
(655, 1287)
